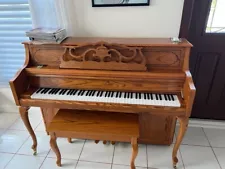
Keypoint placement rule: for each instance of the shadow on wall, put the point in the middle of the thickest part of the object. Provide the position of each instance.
(7, 103)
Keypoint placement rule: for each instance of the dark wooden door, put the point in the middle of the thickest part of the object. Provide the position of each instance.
(207, 61)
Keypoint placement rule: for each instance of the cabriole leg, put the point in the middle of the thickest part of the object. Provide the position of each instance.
(134, 152)
(24, 116)
(55, 148)
(182, 129)
(69, 140)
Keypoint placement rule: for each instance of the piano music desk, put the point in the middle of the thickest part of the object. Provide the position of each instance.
(94, 125)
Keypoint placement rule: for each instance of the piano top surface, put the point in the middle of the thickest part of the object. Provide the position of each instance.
(128, 41)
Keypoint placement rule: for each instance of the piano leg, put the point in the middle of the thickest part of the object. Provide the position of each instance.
(24, 115)
(134, 152)
(182, 129)
(69, 140)
(55, 148)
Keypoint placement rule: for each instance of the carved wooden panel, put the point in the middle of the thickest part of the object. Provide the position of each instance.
(46, 54)
(103, 56)
(164, 57)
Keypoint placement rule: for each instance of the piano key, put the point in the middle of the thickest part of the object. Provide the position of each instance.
(107, 96)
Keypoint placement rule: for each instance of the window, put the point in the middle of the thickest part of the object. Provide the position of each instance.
(216, 20)
(14, 21)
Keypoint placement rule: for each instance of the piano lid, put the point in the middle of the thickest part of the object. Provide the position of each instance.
(127, 41)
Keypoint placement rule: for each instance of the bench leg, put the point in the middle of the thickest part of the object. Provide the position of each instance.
(55, 148)
(69, 140)
(183, 127)
(134, 152)
(24, 116)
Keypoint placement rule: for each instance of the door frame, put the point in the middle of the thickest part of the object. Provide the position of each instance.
(186, 18)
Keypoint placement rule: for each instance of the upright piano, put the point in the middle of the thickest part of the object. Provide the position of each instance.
(147, 76)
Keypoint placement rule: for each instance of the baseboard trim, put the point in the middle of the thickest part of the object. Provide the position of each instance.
(218, 124)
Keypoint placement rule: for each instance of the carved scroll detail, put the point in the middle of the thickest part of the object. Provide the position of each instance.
(104, 56)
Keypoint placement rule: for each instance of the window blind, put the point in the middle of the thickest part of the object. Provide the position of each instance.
(15, 19)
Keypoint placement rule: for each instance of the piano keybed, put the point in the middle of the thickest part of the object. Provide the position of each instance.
(134, 98)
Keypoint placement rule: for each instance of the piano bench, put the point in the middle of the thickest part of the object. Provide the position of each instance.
(94, 125)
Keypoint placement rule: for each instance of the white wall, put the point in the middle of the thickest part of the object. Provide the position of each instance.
(161, 19)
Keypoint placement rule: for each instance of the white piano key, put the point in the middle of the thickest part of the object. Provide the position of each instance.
(144, 100)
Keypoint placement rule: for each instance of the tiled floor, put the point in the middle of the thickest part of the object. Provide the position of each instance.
(201, 149)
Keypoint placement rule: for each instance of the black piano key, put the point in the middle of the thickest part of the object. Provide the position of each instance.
(136, 95)
(50, 91)
(131, 95)
(172, 97)
(66, 91)
(117, 94)
(74, 92)
(93, 93)
(90, 94)
(55, 91)
(112, 94)
(71, 92)
(156, 95)
(168, 96)
(87, 93)
(40, 89)
(83, 93)
(139, 96)
(151, 96)
(79, 93)
(61, 92)
(160, 97)
(106, 93)
(43, 90)
(165, 97)
(125, 95)
(148, 96)
(128, 95)
(101, 94)
(46, 90)
(145, 96)
(98, 93)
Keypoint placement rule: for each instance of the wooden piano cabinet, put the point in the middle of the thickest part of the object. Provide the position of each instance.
(156, 129)
(147, 65)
